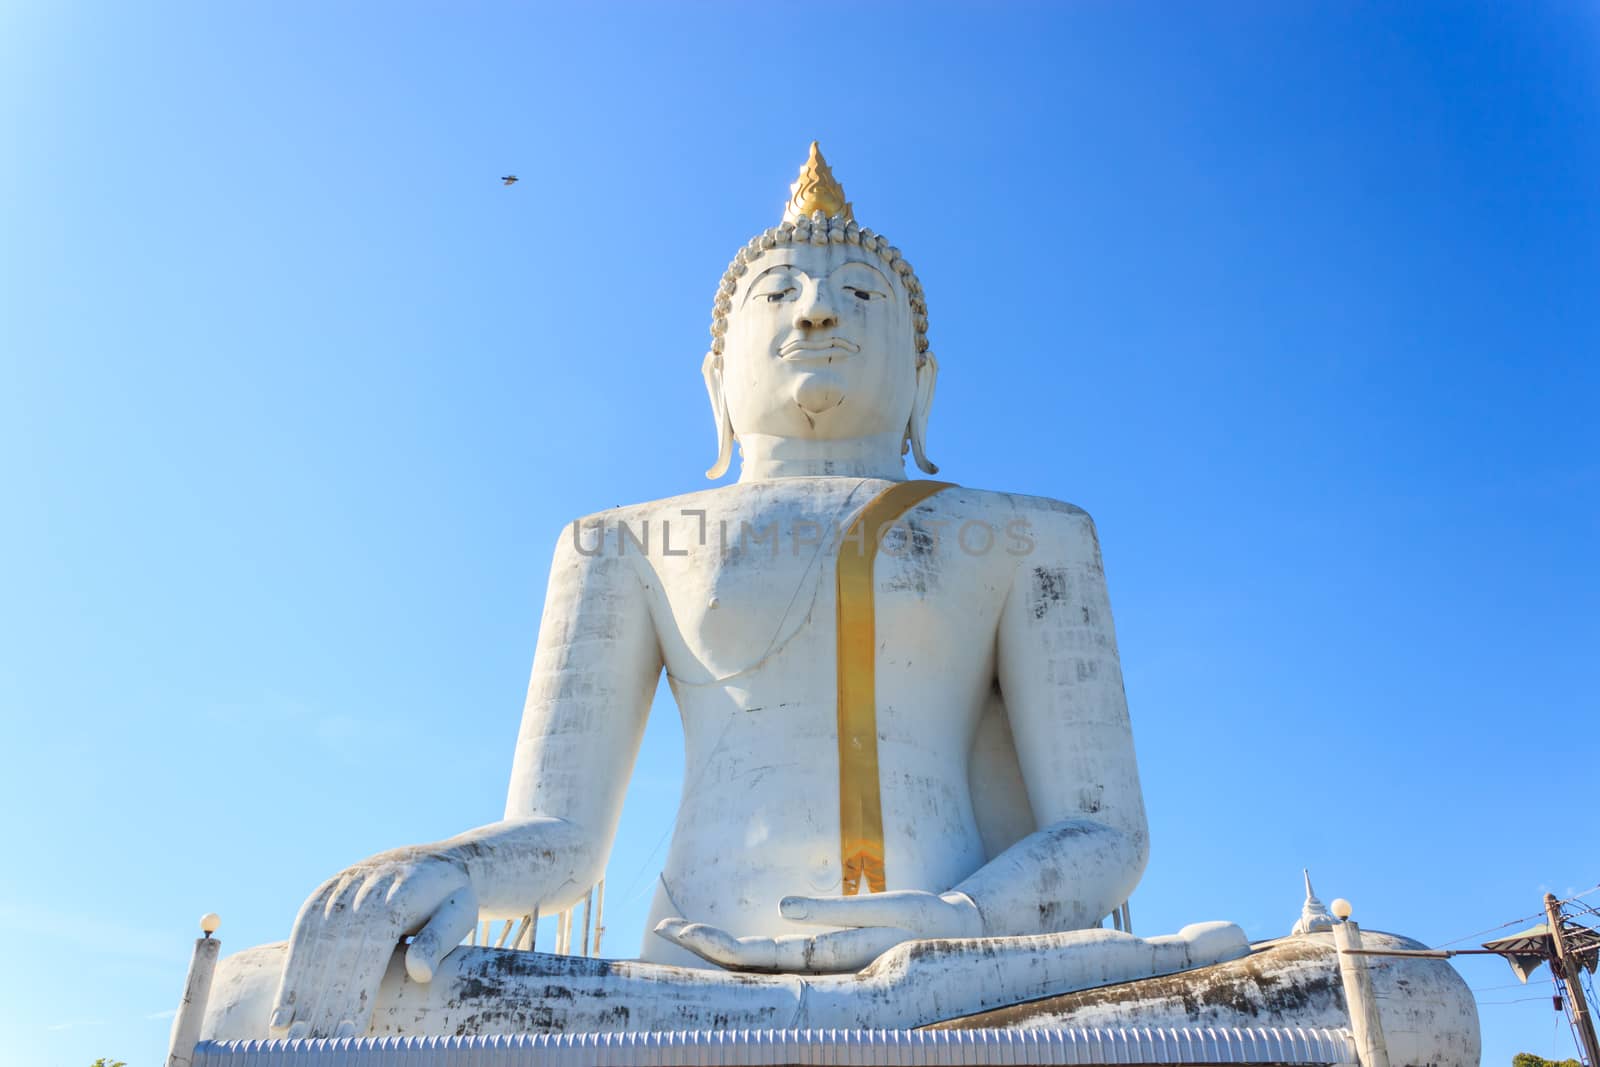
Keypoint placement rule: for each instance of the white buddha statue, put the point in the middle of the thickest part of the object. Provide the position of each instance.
(905, 728)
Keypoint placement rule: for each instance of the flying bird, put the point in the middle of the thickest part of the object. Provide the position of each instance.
(509, 179)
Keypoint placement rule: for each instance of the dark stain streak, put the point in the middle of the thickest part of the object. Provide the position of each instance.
(916, 551)
(1050, 587)
(1285, 980)
(1089, 800)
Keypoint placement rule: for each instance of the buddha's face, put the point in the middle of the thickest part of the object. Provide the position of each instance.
(819, 345)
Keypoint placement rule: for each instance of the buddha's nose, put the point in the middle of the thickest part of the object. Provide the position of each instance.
(817, 312)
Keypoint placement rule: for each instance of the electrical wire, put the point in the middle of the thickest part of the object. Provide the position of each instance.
(1575, 896)
(1492, 929)
(1525, 918)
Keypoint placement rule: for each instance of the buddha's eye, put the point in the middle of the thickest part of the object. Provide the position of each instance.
(864, 295)
(777, 297)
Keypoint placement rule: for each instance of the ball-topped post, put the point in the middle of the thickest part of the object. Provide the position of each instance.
(1366, 1026)
(196, 991)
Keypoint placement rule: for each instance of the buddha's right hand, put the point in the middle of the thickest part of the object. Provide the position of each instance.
(347, 931)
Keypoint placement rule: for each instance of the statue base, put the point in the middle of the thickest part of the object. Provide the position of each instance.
(1191, 987)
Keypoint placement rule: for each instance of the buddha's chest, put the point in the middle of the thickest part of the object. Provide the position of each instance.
(750, 588)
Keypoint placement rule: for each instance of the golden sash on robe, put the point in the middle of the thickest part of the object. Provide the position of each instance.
(860, 797)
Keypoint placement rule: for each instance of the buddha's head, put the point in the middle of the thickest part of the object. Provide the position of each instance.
(819, 332)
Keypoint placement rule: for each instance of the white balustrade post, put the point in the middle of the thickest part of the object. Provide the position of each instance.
(1365, 1024)
(196, 991)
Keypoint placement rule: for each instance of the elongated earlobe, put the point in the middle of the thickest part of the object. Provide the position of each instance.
(917, 431)
(711, 369)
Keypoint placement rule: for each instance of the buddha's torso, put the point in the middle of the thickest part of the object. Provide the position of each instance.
(747, 626)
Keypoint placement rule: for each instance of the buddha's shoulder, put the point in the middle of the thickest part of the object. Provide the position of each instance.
(649, 509)
(827, 494)
(1021, 505)
(610, 538)
(721, 499)
(1053, 529)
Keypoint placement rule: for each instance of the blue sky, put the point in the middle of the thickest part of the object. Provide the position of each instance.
(1297, 299)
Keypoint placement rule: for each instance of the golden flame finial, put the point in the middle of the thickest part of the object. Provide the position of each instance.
(816, 190)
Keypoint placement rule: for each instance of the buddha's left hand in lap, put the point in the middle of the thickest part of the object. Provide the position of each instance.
(872, 925)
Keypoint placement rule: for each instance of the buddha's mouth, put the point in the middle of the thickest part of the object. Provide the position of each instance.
(823, 349)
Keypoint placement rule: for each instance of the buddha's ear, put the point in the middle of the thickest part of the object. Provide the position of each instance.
(711, 369)
(917, 431)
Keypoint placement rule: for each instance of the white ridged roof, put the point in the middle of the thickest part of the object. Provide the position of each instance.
(807, 1048)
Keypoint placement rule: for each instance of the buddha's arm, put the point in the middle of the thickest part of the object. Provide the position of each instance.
(594, 671)
(593, 674)
(1062, 682)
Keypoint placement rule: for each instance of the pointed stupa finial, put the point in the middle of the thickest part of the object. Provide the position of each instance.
(816, 189)
(1314, 917)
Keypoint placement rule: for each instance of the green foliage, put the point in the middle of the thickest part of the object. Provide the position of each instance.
(105, 1061)
(1528, 1059)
